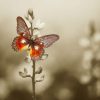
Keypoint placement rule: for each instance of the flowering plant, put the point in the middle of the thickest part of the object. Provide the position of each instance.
(32, 43)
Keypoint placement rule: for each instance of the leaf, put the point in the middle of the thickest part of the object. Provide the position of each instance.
(25, 71)
(39, 24)
(41, 79)
(39, 71)
(22, 74)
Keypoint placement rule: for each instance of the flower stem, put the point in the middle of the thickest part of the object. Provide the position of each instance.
(33, 80)
(33, 66)
(31, 29)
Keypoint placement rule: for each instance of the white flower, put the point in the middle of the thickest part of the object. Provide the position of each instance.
(29, 18)
(30, 11)
(85, 79)
(39, 24)
(96, 38)
(15, 81)
(95, 47)
(96, 71)
(85, 42)
(36, 32)
(86, 65)
(98, 55)
(88, 55)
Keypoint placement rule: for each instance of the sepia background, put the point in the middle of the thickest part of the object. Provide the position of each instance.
(72, 67)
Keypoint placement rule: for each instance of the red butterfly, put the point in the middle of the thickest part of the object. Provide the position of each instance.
(24, 40)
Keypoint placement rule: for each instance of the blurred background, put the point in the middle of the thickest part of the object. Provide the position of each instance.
(72, 69)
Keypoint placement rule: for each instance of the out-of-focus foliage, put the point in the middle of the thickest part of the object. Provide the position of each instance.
(91, 62)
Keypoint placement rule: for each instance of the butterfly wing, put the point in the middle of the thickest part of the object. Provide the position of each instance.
(22, 28)
(36, 54)
(47, 40)
(20, 43)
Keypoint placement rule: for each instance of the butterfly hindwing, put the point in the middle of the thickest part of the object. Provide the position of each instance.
(36, 54)
(14, 46)
(22, 28)
(48, 40)
(20, 43)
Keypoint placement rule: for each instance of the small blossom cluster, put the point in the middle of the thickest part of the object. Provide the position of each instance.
(38, 25)
(36, 29)
(28, 39)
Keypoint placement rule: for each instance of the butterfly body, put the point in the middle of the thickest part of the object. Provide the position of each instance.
(35, 46)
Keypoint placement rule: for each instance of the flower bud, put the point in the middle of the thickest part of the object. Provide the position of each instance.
(23, 75)
(39, 25)
(39, 71)
(30, 12)
(85, 43)
(97, 38)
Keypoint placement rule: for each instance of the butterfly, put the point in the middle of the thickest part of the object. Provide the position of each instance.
(25, 41)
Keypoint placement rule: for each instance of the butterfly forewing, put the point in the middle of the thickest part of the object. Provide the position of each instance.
(22, 28)
(48, 40)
